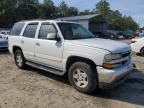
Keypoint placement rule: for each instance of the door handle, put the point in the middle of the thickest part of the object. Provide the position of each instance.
(37, 44)
(22, 41)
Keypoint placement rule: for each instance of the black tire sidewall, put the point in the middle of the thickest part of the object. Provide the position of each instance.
(142, 52)
(23, 59)
(91, 73)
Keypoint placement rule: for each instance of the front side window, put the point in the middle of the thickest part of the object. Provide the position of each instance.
(30, 30)
(72, 31)
(46, 29)
(16, 30)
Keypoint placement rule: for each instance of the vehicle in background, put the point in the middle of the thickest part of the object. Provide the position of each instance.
(135, 34)
(128, 34)
(3, 44)
(120, 35)
(137, 45)
(100, 35)
(105, 35)
(62, 47)
(136, 38)
(141, 36)
(4, 34)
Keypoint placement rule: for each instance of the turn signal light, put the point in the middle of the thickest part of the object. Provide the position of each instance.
(133, 41)
(108, 66)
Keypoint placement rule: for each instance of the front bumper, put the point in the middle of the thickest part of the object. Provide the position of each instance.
(112, 77)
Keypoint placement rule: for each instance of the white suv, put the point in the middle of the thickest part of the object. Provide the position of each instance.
(61, 47)
(137, 45)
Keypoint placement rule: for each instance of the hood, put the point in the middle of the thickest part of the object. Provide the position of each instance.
(110, 45)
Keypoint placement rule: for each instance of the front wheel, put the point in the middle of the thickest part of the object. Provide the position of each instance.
(19, 59)
(83, 77)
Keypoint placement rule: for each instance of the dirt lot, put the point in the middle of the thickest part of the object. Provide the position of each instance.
(32, 88)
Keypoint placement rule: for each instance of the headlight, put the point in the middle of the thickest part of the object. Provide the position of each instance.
(110, 57)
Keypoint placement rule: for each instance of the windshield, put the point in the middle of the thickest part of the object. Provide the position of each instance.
(72, 31)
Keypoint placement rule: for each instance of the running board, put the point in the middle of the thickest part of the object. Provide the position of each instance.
(44, 68)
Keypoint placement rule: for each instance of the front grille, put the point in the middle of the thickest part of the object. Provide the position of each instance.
(125, 54)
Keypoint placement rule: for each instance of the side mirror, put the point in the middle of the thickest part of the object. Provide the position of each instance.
(53, 36)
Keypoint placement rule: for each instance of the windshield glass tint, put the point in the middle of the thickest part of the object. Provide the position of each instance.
(73, 31)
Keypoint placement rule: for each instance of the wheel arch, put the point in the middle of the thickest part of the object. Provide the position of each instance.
(141, 48)
(15, 48)
(73, 59)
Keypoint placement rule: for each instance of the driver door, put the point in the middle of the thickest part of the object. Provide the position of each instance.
(48, 52)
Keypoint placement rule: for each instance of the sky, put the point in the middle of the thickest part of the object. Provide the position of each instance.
(134, 8)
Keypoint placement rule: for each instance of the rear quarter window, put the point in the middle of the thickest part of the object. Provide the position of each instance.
(17, 28)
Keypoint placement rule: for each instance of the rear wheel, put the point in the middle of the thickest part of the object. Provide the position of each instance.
(142, 52)
(83, 77)
(19, 59)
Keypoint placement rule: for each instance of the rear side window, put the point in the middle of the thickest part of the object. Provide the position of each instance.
(30, 30)
(16, 30)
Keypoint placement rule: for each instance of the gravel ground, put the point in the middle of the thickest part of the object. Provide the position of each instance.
(32, 88)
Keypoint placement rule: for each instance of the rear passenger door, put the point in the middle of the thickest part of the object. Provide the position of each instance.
(15, 35)
(28, 41)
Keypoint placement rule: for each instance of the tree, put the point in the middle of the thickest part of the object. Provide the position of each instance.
(103, 7)
(7, 8)
(14, 10)
(26, 9)
(115, 18)
(71, 11)
(86, 12)
(129, 23)
(62, 9)
(47, 9)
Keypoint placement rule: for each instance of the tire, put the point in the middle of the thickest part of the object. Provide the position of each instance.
(81, 72)
(142, 52)
(19, 59)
